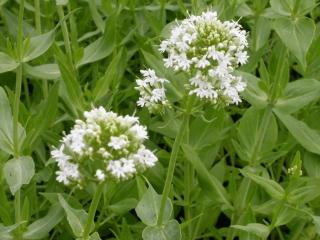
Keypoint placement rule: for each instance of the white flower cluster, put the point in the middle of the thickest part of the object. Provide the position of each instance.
(209, 50)
(103, 145)
(152, 91)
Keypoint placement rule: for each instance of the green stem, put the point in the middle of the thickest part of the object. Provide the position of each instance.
(173, 159)
(37, 16)
(92, 211)
(37, 19)
(16, 144)
(65, 33)
(16, 102)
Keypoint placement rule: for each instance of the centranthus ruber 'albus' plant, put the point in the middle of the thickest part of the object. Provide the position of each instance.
(207, 51)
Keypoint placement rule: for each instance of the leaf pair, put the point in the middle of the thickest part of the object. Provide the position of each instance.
(148, 211)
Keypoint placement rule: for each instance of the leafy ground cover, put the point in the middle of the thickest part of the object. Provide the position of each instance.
(202, 166)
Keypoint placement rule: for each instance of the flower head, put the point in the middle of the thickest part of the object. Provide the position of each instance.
(209, 50)
(103, 145)
(152, 91)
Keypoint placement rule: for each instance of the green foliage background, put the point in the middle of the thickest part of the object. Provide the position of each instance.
(72, 55)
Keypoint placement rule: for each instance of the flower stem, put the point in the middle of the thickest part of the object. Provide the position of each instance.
(92, 211)
(173, 159)
(16, 144)
(65, 33)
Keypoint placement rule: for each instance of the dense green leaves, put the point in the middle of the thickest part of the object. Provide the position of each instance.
(248, 171)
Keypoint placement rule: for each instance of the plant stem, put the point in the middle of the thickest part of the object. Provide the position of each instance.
(37, 16)
(65, 33)
(37, 19)
(92, 211)
(173, 159)
(16, 144)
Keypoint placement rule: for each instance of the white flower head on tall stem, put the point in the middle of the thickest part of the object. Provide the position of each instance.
(209, 50)
(103, 146)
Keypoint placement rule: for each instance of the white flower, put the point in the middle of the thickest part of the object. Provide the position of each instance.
(59, 156)
(100, 175)
(145, 158)
(152, 91)
(140, 132)
(215, 48)
(102, 146)
(118, 142)
(68, 171)
(121, 169)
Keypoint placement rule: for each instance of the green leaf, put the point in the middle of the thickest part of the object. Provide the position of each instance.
(62, 2)
(113, 74)
(253, 93)
(305, 193)
(123, 206)
(249, 134)
(94, 236)
(41, 227)
(71, 89)
(76, 218)
(7, 63)
(296, 35)
(18, 171)
(45, 71)
(281, 7)
(149, 206)
(169, 231)
(271, 187)
(103, 46)
(211, 183)
(286, 7)
(257, 229)
(6, 126)
(36, 46)
(286, 215)
(307, 137)
(43, 118)
(316, 222)
(261, 32)
(298, 94)
(5, 231)
(311, 163)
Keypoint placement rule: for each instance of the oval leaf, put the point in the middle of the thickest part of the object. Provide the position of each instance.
(149, 206)
(38, 45)
(171, 230)
(7, 63)
(18, 171)
(297, 35)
